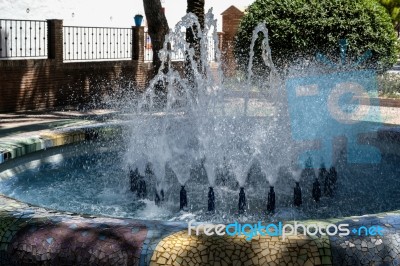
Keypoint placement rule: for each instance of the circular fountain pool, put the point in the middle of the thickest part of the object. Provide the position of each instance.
(93, 178)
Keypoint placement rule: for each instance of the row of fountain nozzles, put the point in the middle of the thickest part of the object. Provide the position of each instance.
(138, 184)
(330, 178)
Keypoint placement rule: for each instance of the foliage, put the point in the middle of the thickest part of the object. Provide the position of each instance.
(389, 85)
(298, 29)
(393, 8)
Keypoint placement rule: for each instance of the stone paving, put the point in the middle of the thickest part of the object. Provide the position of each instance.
(183, 249)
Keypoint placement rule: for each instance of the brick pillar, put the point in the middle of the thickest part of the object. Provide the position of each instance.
(140, 70)
(220, 40)
(138, 44)
(55, 40)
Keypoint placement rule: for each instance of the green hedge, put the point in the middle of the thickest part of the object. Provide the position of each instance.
(298, 29)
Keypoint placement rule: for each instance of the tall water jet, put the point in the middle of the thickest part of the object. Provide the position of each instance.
(271, 200)
(194, 125)
(211, 200)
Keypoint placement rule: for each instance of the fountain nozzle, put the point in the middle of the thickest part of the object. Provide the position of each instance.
(316, 190)
(271, 200)
(211, 200)
(183, 199)
(242, 201)
(297, 199)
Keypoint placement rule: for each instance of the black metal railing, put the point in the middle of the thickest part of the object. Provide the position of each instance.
(176, 56)
(23, 38)
(97, 43)
(148, 52)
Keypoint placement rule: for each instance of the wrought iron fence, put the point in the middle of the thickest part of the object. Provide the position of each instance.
(176, 56)
(23, 38)
(97, 43)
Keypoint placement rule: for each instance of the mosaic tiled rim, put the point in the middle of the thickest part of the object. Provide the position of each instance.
(38, 236)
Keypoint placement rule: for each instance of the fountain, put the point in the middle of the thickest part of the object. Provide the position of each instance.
(208, 134)
(201, 136)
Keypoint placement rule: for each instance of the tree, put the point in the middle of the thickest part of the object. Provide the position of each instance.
(393, 8)
(196, 7)
(298, 29)
(157, 28)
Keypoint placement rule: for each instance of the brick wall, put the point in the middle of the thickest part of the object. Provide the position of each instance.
(230, 22)
(49, 83)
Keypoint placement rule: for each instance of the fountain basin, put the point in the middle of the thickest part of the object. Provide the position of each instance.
(35, 234)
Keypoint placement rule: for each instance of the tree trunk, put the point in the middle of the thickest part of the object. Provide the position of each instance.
(157, 28)
(196, 7)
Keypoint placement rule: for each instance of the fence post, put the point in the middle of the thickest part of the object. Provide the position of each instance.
(55, 40)
(138, 43)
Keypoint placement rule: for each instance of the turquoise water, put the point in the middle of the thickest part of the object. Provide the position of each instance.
(96, 182)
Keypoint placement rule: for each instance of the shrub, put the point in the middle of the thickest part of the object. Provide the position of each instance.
(298, 29)
(389, 85)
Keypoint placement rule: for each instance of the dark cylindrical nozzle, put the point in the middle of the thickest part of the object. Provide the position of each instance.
(159, 197)
(316, 190)
(183, 198)
(141, 189)
(242, 200)
(134, 177)
(271, 200)
(297, 200)
(211, 200)
(330, 182)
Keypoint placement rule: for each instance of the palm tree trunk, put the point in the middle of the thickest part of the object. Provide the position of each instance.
(157, 28)
(196, 7)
